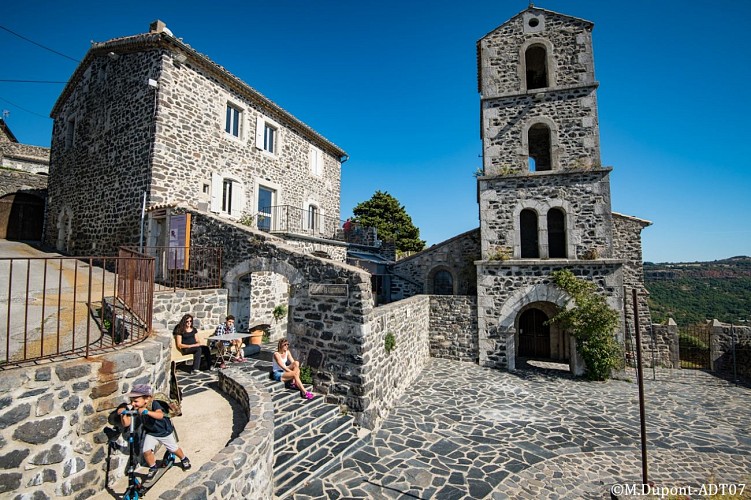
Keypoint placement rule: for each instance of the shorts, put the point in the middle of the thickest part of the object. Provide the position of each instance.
(278, 375)
(169, 442)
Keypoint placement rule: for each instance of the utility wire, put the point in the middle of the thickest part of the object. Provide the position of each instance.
(38, 44)
(23, 109)
(32, 81)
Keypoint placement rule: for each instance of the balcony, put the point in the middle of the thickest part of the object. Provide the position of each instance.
(286, 219)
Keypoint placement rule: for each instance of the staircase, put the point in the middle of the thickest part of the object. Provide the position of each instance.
(310, 436)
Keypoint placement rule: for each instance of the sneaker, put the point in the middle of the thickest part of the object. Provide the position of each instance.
(308, 395)
(185, 463)
(152, 472)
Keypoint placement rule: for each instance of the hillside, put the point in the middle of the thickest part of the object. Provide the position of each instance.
(692, 292)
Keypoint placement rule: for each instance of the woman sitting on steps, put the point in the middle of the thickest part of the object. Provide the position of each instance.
(286, 369)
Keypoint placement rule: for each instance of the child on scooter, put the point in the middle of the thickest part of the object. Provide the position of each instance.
(156, 424)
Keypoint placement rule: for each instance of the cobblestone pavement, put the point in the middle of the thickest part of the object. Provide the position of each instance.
(468, 432)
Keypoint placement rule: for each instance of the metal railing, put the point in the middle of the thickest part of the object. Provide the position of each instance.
(68, 307)
(293, 220)
(187, 268)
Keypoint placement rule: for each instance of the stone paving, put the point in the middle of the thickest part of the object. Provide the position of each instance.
(471, 432)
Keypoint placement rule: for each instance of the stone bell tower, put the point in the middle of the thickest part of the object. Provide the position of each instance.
(544, 196)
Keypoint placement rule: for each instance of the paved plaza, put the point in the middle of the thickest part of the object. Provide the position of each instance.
(470, 432)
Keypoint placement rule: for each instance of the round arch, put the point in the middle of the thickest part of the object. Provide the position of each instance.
(441, 281)
(550, 61)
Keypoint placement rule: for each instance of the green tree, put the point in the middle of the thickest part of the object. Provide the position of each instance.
(592, 322)
(384, 212)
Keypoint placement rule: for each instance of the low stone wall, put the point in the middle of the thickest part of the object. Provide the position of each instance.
(661, 347)
(243, 469)
(52, 442)
(209, 307)
(453, 327)
(386, 376)
(725, 339)
(12, 181)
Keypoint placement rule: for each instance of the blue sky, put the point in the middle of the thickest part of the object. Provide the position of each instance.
(394, 83)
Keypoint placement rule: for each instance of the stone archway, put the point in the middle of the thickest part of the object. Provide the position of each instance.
(255, 287)
(546, 298)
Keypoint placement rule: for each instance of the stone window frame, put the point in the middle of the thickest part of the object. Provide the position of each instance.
(238, 200)
(554, 144)
(70, 131)
(238, 121)
(550, 61)
(318, 227)
(542, 208)
(262, 123)
(430, 283)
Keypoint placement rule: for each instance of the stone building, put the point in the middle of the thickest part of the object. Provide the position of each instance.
(544, 195)
(23, 187)
(147, 115)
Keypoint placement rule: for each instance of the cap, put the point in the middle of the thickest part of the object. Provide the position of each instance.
(140, 390)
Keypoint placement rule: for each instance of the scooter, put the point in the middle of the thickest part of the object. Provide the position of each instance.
(134, 483)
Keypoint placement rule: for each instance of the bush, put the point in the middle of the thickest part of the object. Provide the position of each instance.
(389, 342)
(306, 375)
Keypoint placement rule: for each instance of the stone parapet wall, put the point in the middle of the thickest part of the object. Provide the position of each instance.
(244, 468)
(209, 308)
(725, 339)
(453, 327)
(385, 376)
(334, 251)
(52, 442)
(12, 181)
(659, 347)
(456, 255)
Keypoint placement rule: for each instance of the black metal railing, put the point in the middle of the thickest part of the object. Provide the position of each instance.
(186, 268)
(294, 220)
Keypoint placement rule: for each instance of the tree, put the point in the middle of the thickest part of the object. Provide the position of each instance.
(384, 212)
(592, 322)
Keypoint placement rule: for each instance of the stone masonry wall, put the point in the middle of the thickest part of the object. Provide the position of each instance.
(724, 339)
(500, 52)
(100, 177)
(15, 181)
(385, 375)
(504, 288)
(52, 443)
(583, 196)
(208, 307)
(453, 328)
(456, 255)
(32, 159)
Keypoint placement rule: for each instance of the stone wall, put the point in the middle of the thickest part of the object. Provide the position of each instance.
(243, 469)
(414, 274)
(208, 307)
(505, 288)
(25, 157)
(583, 196)
(725, 339)
(663, 336)
(386, 376)
(116, 137)
(453, 328)
(14, 181)
(52, 442)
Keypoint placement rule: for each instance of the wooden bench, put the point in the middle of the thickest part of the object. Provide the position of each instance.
(178, 357)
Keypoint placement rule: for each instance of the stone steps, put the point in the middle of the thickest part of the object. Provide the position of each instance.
(310, 436)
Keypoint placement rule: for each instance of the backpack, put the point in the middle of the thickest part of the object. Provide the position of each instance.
(173, 406)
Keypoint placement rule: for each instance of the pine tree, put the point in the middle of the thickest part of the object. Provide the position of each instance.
(390, 218)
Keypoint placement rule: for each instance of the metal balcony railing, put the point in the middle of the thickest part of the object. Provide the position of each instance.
(294, 220)
(186, 268)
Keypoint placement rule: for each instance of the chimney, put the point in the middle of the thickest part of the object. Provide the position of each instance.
(157, 27)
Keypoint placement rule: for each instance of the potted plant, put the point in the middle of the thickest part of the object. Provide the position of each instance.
(259, 334)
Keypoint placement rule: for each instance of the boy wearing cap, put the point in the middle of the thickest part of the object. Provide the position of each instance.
(156, 424)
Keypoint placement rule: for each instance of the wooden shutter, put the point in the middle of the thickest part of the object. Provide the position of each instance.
(216, 193)
(260, 125)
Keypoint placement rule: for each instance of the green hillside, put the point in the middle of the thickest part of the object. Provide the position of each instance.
(692, 292)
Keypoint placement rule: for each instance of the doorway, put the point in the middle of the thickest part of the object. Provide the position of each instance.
(534, 334)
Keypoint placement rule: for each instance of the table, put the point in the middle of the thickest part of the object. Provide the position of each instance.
(224, 354)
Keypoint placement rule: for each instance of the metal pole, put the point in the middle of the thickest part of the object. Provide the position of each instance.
(735, 366)
(143, 216)
(642, 416)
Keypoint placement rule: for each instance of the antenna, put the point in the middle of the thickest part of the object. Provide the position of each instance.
(6, 114)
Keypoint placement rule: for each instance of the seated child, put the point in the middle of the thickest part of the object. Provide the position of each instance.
(156, 424)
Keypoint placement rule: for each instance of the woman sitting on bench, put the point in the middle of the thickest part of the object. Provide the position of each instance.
(186, 342)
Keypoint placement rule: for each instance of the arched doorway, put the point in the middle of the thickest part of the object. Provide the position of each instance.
(21, 217)
(534, 334)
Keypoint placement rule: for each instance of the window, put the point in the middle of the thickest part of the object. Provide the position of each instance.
(536, 62)
(556, 234)
(265, 203)
(538, 141)
(232, 123)
(70, 133)
(227, 196)
(316, 161)
(269, 138)
(313, 215)
(267, 135)
(443, 283)
(529, 239)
